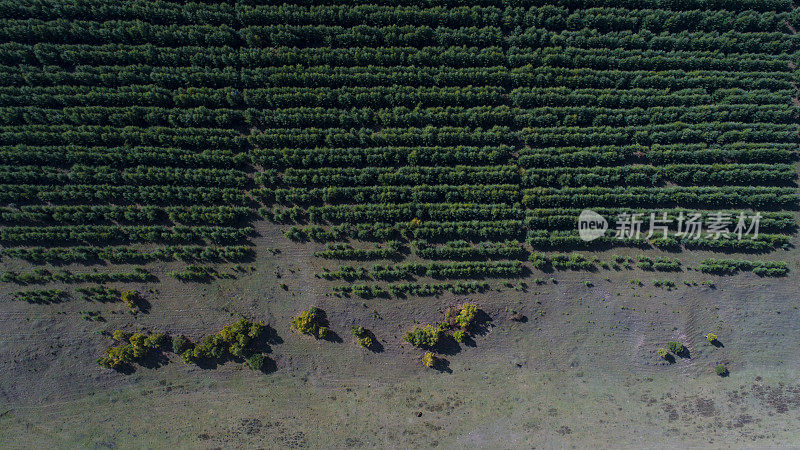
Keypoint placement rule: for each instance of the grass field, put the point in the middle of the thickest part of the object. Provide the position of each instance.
(172, 167)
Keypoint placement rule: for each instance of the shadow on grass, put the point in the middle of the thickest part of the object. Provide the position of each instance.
(442, 365)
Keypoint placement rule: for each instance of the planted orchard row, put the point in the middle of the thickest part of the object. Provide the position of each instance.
(657, 154)
(93, 193)
(58, 155)
(103, 234)
(127, 255)
(40, 276)
(466, 269)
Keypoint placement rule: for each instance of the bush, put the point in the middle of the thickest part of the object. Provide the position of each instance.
(467, 316)
(459, 335)
(155, 340)
(721, 370)
(235, 339)
(427, 336)
(130, 298)
(711, 337)
(663, 353)
(675, 347)
(257, 361)
(311, 322)
(362, 335)
(131, 348)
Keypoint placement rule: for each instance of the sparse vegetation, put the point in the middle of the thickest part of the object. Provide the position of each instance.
(41, 296)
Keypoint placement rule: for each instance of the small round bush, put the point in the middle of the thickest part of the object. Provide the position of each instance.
(256, 361)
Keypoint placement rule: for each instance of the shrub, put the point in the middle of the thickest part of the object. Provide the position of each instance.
(155, 340)
(131, 348)
(467, 315)
(427, 336)
(235, 339)
(362, 335)
(675, 347)
(130, 298)
(257, 361)
(311, 322)
(663, 353)
(721, 370)
(428, 360)
(459, 335)
(711, 337)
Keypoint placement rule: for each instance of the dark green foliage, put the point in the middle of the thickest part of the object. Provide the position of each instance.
(467, 132)
(194, 272)
(731, 266)
(41, 296)
(675, 347)
(257, 361)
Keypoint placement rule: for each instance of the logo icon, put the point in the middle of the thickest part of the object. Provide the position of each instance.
(591, 225)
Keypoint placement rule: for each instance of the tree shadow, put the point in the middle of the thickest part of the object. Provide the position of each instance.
(717, 343)
(208, 363)
(125, 369)
(442, 365)
(669, 358)
(684, 353)
(142, 304)
(375, 346)
(270, 335)
(154, 360)
(447, 345)
(332, 336)
(269, 366)
(481, 325)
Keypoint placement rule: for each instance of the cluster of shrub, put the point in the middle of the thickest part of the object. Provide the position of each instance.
(457, 323)
(238, 340)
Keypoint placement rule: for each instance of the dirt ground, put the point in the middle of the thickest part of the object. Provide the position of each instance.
(581, 370)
